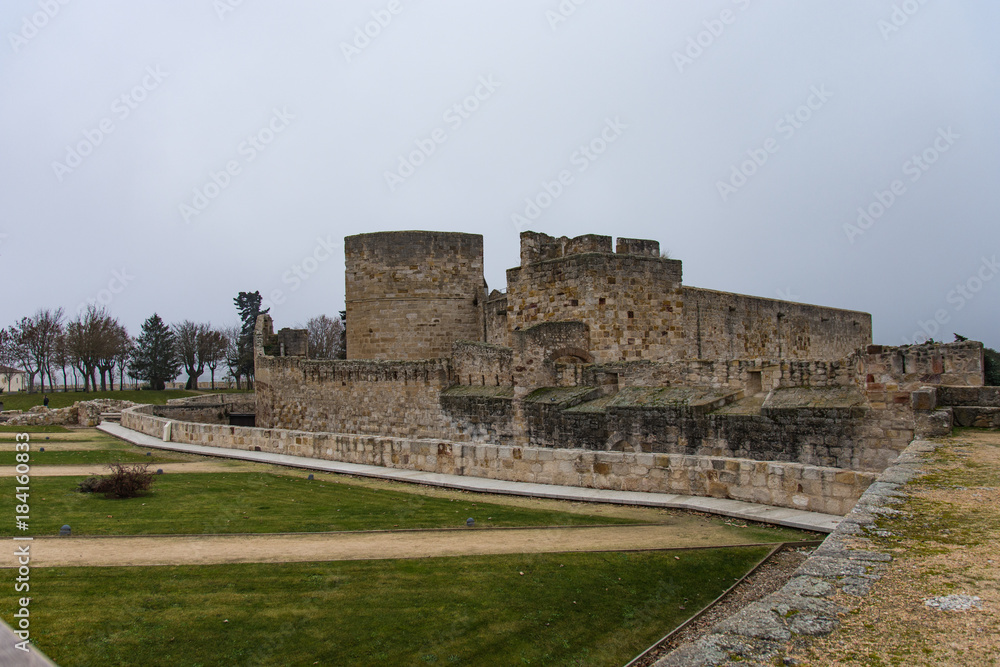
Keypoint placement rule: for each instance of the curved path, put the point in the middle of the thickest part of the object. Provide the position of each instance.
(374, 545)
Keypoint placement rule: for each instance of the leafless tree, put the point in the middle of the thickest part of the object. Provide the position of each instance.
(325, 335)
(234, 352)
(8, 357)
(193, 343)
(215, 351)
(89, 338)
(36, 338)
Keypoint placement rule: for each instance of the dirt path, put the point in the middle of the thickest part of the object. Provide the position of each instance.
(203, 550)
(101, 468)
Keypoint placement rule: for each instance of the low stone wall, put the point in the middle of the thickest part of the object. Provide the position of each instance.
(83, 413)
(981, 397)
(780, 484)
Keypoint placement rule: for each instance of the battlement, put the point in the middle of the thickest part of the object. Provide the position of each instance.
(538, 247)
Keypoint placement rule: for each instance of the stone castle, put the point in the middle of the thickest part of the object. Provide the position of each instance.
(598, 367)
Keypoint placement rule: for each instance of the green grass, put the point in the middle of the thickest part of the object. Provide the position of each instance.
(4, 428)
(579, 609)
(195, 503)
(96, 457)
(59, 399)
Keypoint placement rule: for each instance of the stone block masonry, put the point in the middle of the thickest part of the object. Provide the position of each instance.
(411, 295)
(792, 485)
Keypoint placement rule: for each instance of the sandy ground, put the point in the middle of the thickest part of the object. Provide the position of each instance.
(202, 550)
(100, 469)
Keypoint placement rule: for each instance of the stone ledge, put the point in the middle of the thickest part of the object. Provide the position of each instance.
(757, 634)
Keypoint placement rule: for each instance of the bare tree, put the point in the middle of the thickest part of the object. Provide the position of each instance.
(111, 340)
(123, 355)
(234, 352)
(215, 351)
(324, 337)
(192, 341)
(8, 356)
(87, 339)
(36, 338)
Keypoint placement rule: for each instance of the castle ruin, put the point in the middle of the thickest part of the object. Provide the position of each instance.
(598, 367)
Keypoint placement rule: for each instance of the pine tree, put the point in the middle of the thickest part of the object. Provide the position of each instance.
(155, 359)
(248, 305)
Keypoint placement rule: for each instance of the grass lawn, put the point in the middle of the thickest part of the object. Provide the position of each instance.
(60, 399)
(98, 457)
(4, 428)
(247, 502)
(551, 609)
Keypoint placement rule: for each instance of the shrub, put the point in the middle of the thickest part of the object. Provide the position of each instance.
(90, 485)
(124, 481)
(991, 365)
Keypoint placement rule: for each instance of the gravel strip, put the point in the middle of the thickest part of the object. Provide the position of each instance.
(768, 578)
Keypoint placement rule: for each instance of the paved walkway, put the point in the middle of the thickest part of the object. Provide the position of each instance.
(815, 521)
(373, 545)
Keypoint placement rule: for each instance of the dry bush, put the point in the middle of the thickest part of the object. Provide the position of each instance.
(124, 481)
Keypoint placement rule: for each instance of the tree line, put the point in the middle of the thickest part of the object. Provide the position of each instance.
(98, 349)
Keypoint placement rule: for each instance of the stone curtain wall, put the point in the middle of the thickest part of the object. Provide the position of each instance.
(722, 325)
(497, 331)
(887, 369)
(410, 295)
(779, 484)
(481, 364)
(732, 374)
(848, 438)
(371, 397)
(632, 303)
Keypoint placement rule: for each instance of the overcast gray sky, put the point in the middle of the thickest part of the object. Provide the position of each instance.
(163, 156)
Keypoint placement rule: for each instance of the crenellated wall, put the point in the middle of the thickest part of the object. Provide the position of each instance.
(633, 304)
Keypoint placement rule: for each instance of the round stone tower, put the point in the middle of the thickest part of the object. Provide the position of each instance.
(410, 295)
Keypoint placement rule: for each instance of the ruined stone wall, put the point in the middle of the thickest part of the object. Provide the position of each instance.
(410, 295)
(774, 483)
(886, 369)
(497, 331)
(632, 303)
(481, 364)
(352, 396)
(722, 325)
(846, 438)
(730, 374)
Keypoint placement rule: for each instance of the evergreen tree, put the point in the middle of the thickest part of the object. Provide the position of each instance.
(248, 305)
(155, 359)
